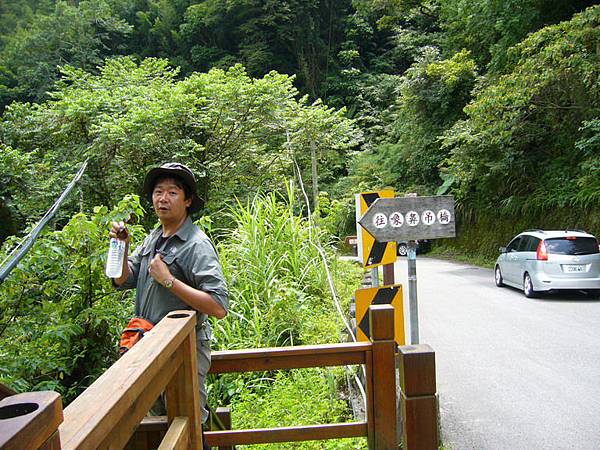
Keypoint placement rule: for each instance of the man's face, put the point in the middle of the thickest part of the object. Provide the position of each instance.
(169, 201)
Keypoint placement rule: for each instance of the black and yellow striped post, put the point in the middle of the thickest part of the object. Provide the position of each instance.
(388, 295)
(372, 253)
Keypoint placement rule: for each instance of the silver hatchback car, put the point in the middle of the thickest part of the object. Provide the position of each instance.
(540, 261)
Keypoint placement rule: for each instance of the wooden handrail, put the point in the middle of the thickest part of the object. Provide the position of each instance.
(107, 413)
(285, 434)
(278, 358)
(30, 420)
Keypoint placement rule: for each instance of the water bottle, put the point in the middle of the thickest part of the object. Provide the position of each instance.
(114, 261)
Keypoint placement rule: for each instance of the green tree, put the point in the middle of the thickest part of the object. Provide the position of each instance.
(78, 35)
(432, 95)
(295, 36)
(489, 28)
(229, 127)
(16, 13)
(528, 143)
(316, 134)
(59, 315)
(15, 181)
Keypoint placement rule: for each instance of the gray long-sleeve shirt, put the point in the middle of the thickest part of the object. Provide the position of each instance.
(191, 258)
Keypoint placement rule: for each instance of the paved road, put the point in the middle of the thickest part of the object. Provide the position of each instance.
(512, 373)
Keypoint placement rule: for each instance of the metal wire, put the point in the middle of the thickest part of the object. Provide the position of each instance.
(327, 271)
(23, 247)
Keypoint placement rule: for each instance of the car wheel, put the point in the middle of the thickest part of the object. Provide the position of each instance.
(402, 249)
(498, 277)
(528, 286)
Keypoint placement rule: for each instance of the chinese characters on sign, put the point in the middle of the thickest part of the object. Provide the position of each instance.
(410, 218)
(380, 220)
(397, 219)
(428, 217)
(443, 216)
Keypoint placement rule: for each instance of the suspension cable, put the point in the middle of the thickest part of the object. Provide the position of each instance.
(23, 247)
(326, 265)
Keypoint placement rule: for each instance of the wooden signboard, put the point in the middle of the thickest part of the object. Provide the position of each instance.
(410, 218)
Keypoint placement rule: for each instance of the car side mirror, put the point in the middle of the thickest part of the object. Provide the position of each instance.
(502, 249)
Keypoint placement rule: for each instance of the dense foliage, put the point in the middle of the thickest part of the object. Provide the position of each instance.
(528, 126)
(510, 131)
(61, 318)
(59, 315)
(237, 133)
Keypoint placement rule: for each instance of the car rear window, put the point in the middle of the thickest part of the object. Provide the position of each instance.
(572, 246)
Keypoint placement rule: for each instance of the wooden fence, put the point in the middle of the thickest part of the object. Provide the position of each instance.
(108, 413)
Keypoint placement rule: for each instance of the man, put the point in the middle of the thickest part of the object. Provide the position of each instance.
(176, 267)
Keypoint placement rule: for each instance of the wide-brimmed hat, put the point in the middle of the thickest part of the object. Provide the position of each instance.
(180, 170)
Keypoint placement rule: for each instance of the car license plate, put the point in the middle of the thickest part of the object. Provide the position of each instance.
(572, 268)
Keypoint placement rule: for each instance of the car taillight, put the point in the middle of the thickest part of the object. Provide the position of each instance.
(542, 252)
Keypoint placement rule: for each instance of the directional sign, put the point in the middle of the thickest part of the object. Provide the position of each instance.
(372, 253)
(388, 295)
(410, 218)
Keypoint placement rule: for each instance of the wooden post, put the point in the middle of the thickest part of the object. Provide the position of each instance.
(224, 415)
(183, 394)
(381, 319)
(388, 274)
(419, 401)
(178, 435)
(30, 420)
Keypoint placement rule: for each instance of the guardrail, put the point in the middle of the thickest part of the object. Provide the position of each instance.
(108, 413)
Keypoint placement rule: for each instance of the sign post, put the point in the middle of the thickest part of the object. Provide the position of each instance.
(412, 291)
(409, 219)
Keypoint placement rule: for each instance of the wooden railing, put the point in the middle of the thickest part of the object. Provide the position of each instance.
(108, 413)
(378, 356)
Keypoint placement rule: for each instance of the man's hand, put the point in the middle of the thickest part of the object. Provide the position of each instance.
(158, 269)
(119, 231)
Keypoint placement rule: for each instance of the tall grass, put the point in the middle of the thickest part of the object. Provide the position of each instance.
(279, 296)
(275, 275)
